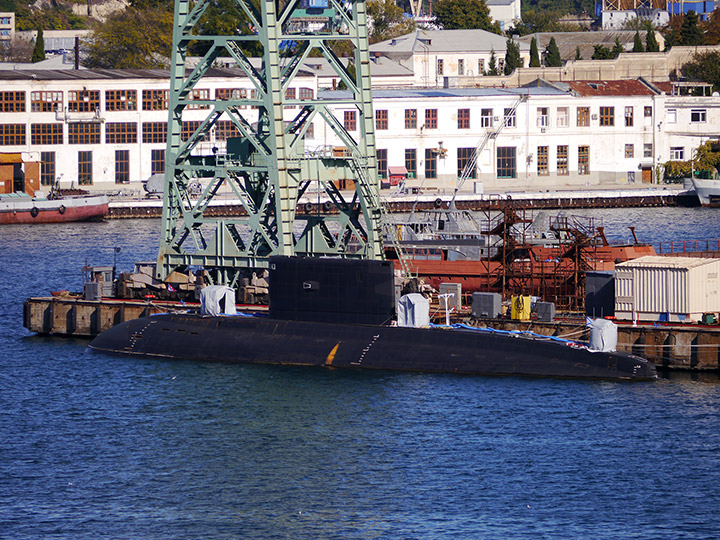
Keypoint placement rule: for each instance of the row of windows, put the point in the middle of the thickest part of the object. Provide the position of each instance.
(462, 65)
(125, 100)
(85, 166)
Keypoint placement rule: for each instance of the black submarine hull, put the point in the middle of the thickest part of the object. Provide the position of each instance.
(264, 340)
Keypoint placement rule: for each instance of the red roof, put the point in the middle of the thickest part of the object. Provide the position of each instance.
(629, 87)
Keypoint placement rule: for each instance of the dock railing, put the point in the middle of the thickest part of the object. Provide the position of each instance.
(708, 248)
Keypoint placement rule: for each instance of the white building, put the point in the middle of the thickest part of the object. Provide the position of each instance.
(432, 55)
(7, 27)
(505, 12)
(103, 129)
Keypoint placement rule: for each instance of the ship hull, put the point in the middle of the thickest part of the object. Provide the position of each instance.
(707, 191)
(23, 210)
(263, 340)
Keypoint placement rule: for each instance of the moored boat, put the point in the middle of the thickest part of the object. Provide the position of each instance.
(707, 191)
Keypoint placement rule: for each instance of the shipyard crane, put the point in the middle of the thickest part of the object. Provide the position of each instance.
(266, 168)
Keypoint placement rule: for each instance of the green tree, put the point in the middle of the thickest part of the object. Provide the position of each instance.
(38, 54)
(711, 28)
(578, 56)
(602, 53)
(492, 64)
(465, 14)
(690, 33)
(534, 53)
(552, 54)
(388, 20)
(704, 67)
(351, 71)
(651, 44)
(637, 43)
(132, 39)
(513, 59)
(617, 48)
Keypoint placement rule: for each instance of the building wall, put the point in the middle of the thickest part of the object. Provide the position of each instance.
(7, 26)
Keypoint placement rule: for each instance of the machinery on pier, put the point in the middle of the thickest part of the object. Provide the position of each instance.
(264, 164)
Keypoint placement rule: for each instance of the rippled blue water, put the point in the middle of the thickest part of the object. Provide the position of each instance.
(96, 446)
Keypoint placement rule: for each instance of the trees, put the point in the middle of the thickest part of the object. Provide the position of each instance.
(637, 43)
(704, 67)
(132, 39)
(387, 20)
(552, 54)
(512, 57)
(651, 44)
(465, 14)
(38, 54)
(578, 56)
(602, 53)
(617, 48)
(711, 28)
(690, 33)
(492, 64)
(534, 54)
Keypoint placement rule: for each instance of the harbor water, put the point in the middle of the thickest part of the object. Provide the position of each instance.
(107, 447)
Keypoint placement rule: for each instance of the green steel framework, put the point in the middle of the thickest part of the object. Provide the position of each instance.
(267, 168)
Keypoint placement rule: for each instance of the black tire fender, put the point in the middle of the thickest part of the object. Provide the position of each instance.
(62, 209)
(34, 211)
(438, 202)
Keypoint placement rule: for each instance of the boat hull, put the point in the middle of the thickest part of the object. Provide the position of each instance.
(263, 340)
(707, 191)
(27, 210)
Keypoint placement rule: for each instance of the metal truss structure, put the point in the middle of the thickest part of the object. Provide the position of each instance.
(266, 168)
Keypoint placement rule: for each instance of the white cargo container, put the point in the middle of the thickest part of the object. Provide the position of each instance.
(673, 289)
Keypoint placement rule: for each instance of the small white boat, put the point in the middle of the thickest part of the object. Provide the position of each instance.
(708, 191)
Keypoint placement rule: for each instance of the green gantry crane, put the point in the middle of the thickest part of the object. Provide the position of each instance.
(266, 169)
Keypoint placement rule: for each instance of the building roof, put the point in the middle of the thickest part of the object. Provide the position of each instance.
(444, 41)
(658, 261)
(419, 94)
(628, 87)
(568, 42)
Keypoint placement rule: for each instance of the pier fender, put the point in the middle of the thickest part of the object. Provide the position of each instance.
(61, 209)
(327, 206)
(308, 208)
(34, 211)
(438, 202)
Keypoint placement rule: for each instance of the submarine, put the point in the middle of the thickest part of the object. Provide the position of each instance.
(341, 313)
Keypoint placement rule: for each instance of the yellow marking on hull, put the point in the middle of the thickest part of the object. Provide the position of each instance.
(331, 356)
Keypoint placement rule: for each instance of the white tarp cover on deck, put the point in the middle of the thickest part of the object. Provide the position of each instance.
(414, 311)
(217, 300)
(603, 335)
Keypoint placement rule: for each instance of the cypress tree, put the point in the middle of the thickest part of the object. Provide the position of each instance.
(690, 33)
(578, 56)
(552, 54)
(617, 48)
(534, 54)
(513, 59)
(39, 50)
(492, 64)
(651, 44)
(637, 43)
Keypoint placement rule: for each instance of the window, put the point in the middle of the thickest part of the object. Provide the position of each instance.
(431, 119)
(12, 101)
(45, 101)
(506, 162)
(440, 67)
(464, 158)
(542, 117)
(481, 66)
(381, 155)
(290, 94)
(698, 116)
(562, 117)
(583, 116)
(83, 133)
(510, 118)
(430, 163)
(226, 129)
(235, 94)
(410, 118)
(648, 112)
(486, 118)
(310, 132)
(120, 133)
(85, 173)
(461, 67)
(501, 65)
(677, 153)
(628, 116)
(122, 166)
(306, 94)
(189, 127)
(463, 118)
(157, 161)
(200, 94)
(381, 119)
(671, 116)
(46, 133)
(47, 168)
(154, 132)
(155, 100)
(411, 162)
(607, 116)
(542, 161)
(12, 134)
(83, 100)
(562, 160)
(350, 120)
(647, 150)
(583, 160)
(629, 150)
(120, 100)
